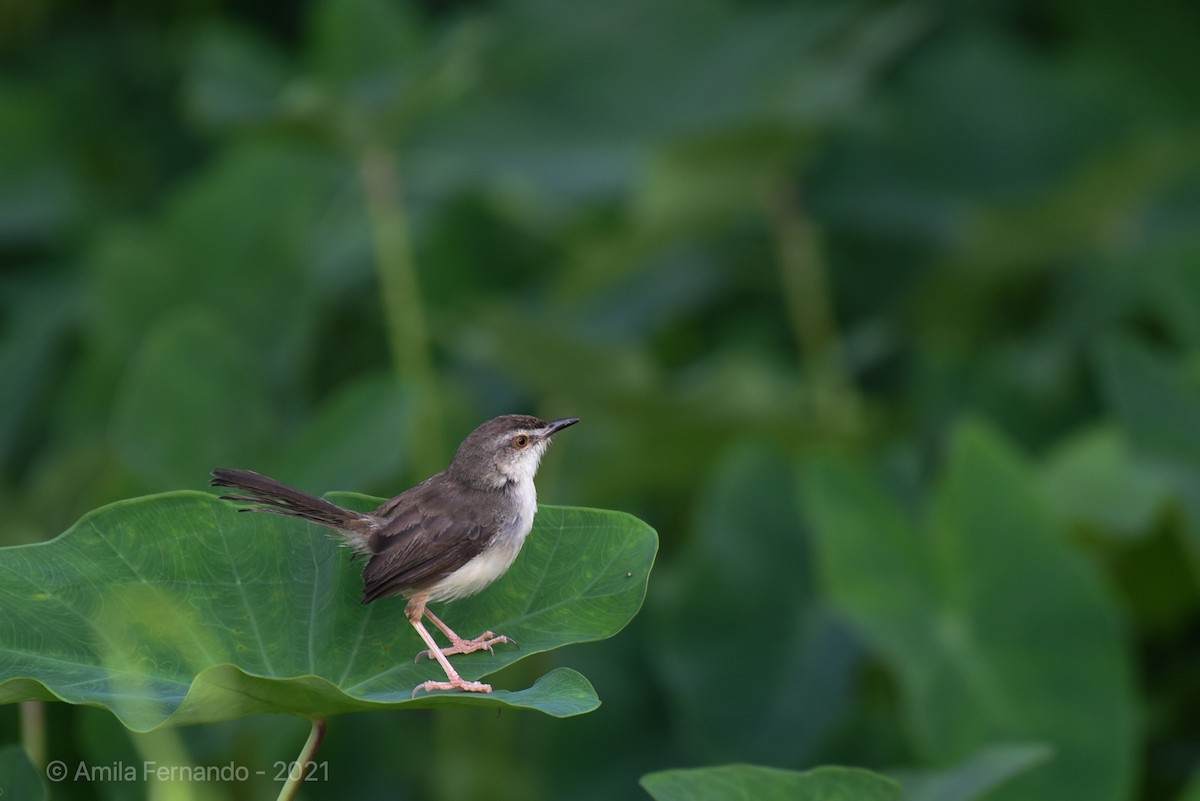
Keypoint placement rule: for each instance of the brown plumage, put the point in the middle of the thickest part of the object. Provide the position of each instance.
(448, 537)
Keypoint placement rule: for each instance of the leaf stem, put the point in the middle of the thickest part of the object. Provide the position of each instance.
(166, 747)
(33, 731)
(408, 335)
(299, 769)
(803, 273)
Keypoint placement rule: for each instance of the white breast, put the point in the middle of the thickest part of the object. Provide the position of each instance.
(498, 557)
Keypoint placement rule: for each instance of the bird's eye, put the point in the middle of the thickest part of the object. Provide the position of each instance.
(520, 441)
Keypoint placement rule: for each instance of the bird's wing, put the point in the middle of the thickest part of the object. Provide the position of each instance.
(423, 539)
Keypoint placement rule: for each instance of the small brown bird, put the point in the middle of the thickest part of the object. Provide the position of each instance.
(448, 537)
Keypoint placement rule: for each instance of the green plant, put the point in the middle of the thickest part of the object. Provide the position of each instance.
(174, 609)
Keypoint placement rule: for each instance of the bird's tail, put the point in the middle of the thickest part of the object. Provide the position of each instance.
(265, 494)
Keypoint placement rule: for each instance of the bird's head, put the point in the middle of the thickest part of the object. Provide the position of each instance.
(505, 449)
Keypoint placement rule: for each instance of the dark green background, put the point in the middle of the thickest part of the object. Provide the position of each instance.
(885, 316)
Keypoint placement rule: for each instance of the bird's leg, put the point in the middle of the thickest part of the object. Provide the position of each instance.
(414, 611)
(458, 645)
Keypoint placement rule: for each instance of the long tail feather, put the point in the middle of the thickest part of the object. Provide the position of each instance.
(265, 494)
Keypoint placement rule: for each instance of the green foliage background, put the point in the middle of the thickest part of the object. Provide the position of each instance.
(885, 315)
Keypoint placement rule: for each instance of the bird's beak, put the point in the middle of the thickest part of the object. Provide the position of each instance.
(557, 425)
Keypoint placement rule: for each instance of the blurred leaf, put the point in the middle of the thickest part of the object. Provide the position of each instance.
(576, 110)
(364, 41)
(740, 782)
(629, 295)
(40, 196)
(236, 239)
(133, 280)
(1192, 792)
(102, 740)
(176, 609)
(1093, 478)
(1157, 403)
(36, 324)
(1037, 128)
(707, 181)
(792, 80)
(380, 71)
(20, 780)
(1173, 253)
(358, 438)
(878, 571)
(690, 415)
(995, 628)
(974, 778)
(240, 231)
(189, 402)
(745, 579)
(235, 80)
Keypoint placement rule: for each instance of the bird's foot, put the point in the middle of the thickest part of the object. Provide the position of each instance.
(455, 683)
(458, 645)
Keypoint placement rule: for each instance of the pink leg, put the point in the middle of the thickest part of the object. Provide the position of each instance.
(455, 681)
(458, 645)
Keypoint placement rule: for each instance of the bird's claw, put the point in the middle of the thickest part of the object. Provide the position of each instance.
(455, 683)
(483, 642)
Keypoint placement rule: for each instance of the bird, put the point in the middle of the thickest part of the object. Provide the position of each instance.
(447, 538)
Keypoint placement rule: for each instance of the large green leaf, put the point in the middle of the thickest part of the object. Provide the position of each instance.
(337, 446)
(176, 609)
(1155, 400)
(995, 628)
(1094, 478)
(975, 777)
(741, 782)
(1157, 404)
(189, 368)
(747, 526)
